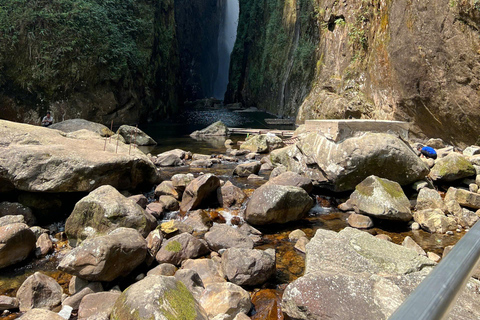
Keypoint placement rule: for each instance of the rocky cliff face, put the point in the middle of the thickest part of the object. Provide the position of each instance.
(102, 61)
(406, 60)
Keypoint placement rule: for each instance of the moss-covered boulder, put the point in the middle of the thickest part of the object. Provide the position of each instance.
(262, 143)
(181, 247)
(102, 211)
(382, 199)
(105, 258)
(157, 298)
(452, 167)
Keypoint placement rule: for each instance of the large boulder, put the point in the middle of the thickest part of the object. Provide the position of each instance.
(135, 135)
(105, 258)
(452, 167)
(39, 159)
(435, 221)
(73, 125)
(157, 298)
(17, 241)
(215, 129)
(15, 208)
(463, 197)
(210, 271)
(168, 159)
(181, 247)
(222, 236)
(39, 291)
(226, 298)
(198, 191)
(277, 204)
(382, 199)
(344, 164)
(246, 169)
(102, 211)
(262, 143)
(430, 199)
(248, 267)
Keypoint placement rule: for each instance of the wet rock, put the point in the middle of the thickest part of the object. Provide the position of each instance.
(6, 220)
(222, 236)
(434, 221)
(246, 169)
(39, 291)
(292, 179)
(381, 198)
(228, 143)
(267, 304)
(199, 156)
(471, 151)
(296, 234)
(43, 246)
(97, 305)
(248, 267)
(238, 153)
(41, 314)
(168, 159)
(156, 209)
(359, 221)
(277, 204)
(199, 191)
(208, 270)
(251, 155)
(73, 125)
(180, 248)
(198, 220)
(463, 197)
(157, 297)
(215, 129)
(15, 208)
(135, 135)
(181, 181)
(229, 195)
(408, 242)
(191, 280)
(301, 244)
(17, 241)
(61, 164)
(8, 303)
(452, 167)
(105, 258)
(225, 297)
(102, 211)
(171, 204)
(346, 163)
(262, 143)
(154, 242)
(201, 164)
(430, 199)
(139, 199)
(163, 269)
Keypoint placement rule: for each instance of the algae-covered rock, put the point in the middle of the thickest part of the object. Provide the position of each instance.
(381, 198)
(262, 143)
(215, 129)
(452, 167)
(157, 298)
(102, 211)
(180, 248)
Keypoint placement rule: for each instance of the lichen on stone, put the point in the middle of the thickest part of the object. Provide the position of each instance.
(173, 246)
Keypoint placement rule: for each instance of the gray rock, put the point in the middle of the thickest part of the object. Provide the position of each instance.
(61, 164)
(73, 125)
(105, 258)
(359, 221)
(237, 153)
(246, 169)
(215, 129)
(466, 218)
(17, 241)
(292, 179)
(102, 211)
(222, 236)
(248, 267)
(201, 164)
(97, 304)
(157, 297)
(181, 247)
(463, 197)
(408, 242)
(225, 298)
(471, 151)
(39, 291)
(262, 143)
(278, 170)
(135, 135)
(191, 280)
(265, 167)
(434, 221)
(15, 208)
(198, 191)
(277, 204)
(381, 198)
(430, 199)
(452, 167)
(168, 159)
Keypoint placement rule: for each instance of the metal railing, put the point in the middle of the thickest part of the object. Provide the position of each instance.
(437, 293)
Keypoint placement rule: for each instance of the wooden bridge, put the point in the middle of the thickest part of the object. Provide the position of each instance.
(280, 133)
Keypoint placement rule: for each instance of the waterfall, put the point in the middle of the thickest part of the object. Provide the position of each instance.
(226, 39)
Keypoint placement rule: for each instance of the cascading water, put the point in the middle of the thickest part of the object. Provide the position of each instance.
(226, 39)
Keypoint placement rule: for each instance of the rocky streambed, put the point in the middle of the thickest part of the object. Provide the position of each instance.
(261, 230)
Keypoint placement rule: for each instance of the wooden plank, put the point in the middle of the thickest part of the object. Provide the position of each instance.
(281, 133)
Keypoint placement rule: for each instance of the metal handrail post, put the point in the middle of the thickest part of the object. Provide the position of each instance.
(437, 293)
